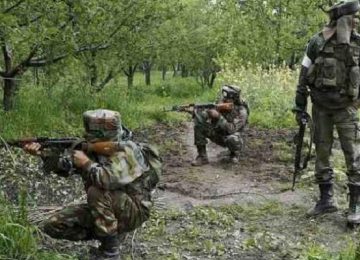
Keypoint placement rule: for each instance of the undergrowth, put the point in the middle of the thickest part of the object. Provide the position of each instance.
(18, 238)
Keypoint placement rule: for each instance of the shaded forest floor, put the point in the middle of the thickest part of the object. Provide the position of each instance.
(217, 211)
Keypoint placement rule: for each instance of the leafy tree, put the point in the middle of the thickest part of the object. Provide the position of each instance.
(41, 32)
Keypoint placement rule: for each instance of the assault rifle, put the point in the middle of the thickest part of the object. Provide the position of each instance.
(299, 165)
(221, 107)
(73, 143)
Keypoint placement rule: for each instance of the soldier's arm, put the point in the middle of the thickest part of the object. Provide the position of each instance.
(121, 169)
(237, 125)
(56, 162)
(311, 53)
(53, 159)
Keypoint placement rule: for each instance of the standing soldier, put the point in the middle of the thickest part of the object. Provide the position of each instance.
(223, 128)
(118, 186)
(330, 69)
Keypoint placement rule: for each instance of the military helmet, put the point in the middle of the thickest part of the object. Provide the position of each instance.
(230, 92)
(343, 8)
(102, 123)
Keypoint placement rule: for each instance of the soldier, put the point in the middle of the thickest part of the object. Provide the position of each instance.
(118, 186)
(222, 128)
(330, 69)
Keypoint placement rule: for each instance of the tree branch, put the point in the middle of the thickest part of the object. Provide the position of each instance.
(13, 7)
(22, 66)
(43, 61)
(109, 77)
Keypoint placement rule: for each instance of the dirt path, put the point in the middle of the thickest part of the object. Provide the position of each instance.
(258, 176)
(269, 218)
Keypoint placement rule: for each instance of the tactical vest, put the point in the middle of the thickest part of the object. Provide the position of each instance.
(337, 68)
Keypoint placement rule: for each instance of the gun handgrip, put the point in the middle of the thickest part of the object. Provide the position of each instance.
(103, 148)
(224, 107)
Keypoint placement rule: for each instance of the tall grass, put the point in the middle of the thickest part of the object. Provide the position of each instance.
(18, 238)
(58, 111)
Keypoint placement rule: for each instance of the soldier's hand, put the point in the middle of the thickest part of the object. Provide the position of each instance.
(80, 159)
(298, 118)
(32, 148)
(213, 114)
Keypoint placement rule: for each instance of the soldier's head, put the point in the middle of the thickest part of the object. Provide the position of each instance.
(344, 8)
(230, 93)
(102, 124)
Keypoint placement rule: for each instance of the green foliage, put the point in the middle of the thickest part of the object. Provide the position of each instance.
(316, 252)
(58, 111)
(269, 32)
(18, 238)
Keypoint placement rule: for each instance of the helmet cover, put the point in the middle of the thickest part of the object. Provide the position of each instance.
(102, 123)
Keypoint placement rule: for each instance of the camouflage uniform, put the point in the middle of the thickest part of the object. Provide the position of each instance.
(226, 131)
(118, 194)
(331, 70)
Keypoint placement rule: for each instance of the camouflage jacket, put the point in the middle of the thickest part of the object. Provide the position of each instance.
(330, 99)
(110, 172)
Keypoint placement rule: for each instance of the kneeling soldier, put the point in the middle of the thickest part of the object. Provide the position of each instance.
(223, 128)
(117, 185)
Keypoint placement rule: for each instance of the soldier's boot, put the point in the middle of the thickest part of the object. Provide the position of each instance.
(202, 158)
(234, 156)
(353, 217)
(326, 203)
(108, 250)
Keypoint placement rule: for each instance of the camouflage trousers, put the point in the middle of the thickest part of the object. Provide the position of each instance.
(106, 213)
(346, 122)
(203, 131)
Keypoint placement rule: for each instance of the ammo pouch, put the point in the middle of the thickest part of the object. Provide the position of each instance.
(152, 157)
(336, 69)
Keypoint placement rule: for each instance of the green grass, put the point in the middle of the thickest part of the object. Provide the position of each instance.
(18, 238)
(58, 111)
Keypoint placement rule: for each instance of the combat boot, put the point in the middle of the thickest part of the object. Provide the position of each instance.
(234, 156)
(326, 203)
(202, 158)
(108, 250)
(354, 205)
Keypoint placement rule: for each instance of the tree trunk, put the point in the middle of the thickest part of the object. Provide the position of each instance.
(130, 80)
(9, 94)
(163, 72)
(174, 70)
(184, 72)
(147, 71)
(212, 79)
(147, 77)
(130, 72)
(9, 82)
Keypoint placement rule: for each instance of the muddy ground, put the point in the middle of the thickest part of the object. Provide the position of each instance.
(217, 211)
